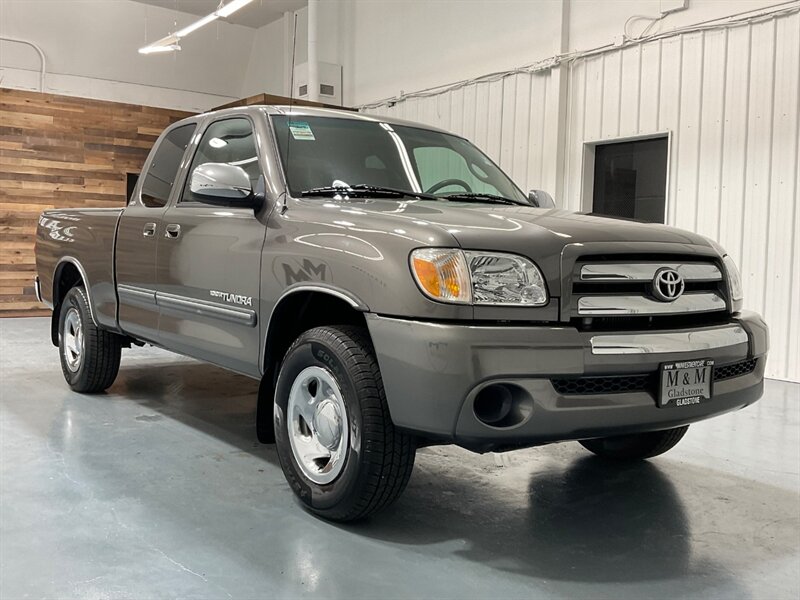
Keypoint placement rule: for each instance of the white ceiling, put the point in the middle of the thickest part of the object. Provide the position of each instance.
(256, 14)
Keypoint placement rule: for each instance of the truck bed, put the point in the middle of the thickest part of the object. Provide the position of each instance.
(82, 239)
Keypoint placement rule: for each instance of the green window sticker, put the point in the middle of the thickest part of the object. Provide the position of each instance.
(301, 130)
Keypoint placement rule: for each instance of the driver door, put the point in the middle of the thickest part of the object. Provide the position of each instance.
(209, 261)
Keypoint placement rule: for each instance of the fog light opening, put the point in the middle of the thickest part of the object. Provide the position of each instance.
(502, 405)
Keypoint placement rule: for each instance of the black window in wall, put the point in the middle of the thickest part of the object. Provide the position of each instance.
(630, 179)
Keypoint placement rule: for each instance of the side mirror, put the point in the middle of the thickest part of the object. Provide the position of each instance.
(541, 199)
(221, 183)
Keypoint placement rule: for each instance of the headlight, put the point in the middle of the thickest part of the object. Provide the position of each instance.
(452, 275)
(734, 278)
(505, 279)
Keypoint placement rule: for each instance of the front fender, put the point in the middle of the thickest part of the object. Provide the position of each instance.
(340, 247)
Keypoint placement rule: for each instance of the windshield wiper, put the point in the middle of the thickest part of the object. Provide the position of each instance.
(363, 189)
(389, 190)
(469, 197)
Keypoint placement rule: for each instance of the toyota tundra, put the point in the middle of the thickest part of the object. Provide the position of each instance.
(392, 288)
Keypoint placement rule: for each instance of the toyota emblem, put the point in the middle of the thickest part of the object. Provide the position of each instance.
(667, 285)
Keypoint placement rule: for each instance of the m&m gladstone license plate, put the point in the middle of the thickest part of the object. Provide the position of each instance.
(684, 383)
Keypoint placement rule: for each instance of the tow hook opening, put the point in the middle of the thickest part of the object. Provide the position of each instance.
(502, 405)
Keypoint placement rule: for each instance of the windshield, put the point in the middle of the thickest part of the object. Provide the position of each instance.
(326, 152)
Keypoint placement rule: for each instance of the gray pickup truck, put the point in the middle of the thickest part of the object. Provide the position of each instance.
(392, 288)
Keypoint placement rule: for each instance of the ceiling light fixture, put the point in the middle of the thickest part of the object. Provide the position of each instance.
(156, 49)
(170, 42)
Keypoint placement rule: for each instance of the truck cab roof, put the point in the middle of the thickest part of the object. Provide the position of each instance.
(306, 111)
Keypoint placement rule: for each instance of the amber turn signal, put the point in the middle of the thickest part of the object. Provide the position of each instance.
(442, 274)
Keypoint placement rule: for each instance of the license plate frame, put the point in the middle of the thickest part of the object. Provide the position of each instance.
(684, 383)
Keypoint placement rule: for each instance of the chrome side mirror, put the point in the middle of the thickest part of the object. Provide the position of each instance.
(541, 199)
(221, 182)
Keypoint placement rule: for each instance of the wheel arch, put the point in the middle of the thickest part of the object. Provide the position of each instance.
(69, 272)
(299, 308)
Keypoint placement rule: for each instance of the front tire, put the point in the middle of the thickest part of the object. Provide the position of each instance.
(336, 442)
(637, 446)
(89, 355)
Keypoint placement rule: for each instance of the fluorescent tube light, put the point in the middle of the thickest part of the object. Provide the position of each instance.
(170, 43)
(196, 25)
(155, 49)
(231, 7)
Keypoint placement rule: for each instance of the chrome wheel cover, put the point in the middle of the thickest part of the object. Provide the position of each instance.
(317, 423)
(72, 339)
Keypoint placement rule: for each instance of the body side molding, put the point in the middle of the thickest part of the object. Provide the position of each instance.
(241, 316)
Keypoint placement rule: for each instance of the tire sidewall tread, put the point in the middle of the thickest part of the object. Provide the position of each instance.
(638, 446)
(101, 349)
(379, 458)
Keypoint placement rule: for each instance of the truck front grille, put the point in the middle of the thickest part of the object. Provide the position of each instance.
(614, 287)
(646, 382)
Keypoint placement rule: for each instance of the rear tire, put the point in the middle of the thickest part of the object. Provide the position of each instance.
(89, 355)
(636, 446)
(337, 445)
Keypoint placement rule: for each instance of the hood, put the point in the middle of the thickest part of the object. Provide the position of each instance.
(470, 222)
(540, 234)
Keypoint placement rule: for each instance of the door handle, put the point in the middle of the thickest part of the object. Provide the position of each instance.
(149, 230)
(172, 230)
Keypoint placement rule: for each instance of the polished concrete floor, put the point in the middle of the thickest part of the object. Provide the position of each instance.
(158, 489)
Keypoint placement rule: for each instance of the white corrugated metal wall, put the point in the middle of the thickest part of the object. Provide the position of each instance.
(729, 100)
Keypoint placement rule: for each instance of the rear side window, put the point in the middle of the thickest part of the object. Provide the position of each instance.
(160, 176)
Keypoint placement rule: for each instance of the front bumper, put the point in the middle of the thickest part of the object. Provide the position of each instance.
(432, 373)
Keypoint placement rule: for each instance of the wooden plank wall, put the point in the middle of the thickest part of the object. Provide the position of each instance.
(61, 152)
(278, 101)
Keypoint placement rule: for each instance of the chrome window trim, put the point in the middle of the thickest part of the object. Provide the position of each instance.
(646, 271)
(232, 314)
(610, 306)
(673, 341)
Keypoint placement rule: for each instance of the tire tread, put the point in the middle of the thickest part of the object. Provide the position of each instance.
(102, 351)
(638, 446)
(390, 453)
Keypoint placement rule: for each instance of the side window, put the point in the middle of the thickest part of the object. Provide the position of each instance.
(230, 141)
(160, 176)
(436, 164)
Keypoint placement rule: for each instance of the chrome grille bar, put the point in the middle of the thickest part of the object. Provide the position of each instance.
(610, 306)
(646, 271)
(679, 341)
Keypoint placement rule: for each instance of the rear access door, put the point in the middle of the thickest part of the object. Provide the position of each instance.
(139, 232)
(209, 260)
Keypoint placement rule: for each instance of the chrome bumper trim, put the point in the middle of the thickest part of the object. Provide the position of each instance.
(646, 271)
(599, 306)
(679, 341)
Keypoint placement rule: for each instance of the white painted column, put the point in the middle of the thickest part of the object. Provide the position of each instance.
(313, 59)
(288, 51)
